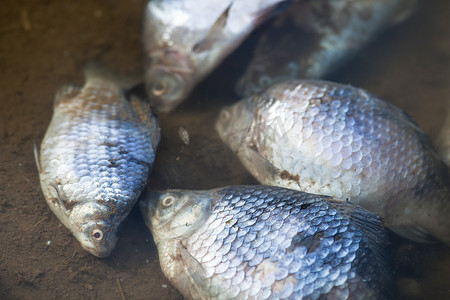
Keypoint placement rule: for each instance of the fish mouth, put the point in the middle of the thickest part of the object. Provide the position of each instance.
(147, 206)
(169, 79)
(100, 253)
(235, 122)
(188, 210)
(100, 250)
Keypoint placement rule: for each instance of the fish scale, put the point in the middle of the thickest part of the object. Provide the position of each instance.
(327, 138)
(308, 246)
(95, 159)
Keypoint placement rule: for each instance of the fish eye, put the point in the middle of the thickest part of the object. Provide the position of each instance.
(168, 201)
(159, 88)
(97, 234)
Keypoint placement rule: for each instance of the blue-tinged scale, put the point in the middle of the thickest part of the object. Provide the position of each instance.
(95, 158)
(262, 242)
(331, 139)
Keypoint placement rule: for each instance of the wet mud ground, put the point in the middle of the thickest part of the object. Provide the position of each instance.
(44, 44)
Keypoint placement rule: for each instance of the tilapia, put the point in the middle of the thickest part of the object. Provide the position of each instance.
(184, 40)
(260, 242)
(314, 37)
(95, 158)
(326, 138)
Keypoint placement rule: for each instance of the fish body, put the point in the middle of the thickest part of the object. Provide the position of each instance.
(184, 40)
(313, 38)
(261, 242)
(95, 159)
(326, 138)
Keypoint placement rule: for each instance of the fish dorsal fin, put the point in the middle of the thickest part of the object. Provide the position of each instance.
(214, 34)
(414, 233)
(66, 92)
(259, 166)
(146, 116)
(195, 270)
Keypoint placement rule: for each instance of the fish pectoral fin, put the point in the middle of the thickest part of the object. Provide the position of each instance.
(214, 34)
(259, 166)
(147, 117)
(193, 267)
(414, 233)
(59, 198)
(36, 157)
(66, 92)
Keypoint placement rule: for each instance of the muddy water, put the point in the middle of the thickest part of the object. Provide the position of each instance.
(44, 44)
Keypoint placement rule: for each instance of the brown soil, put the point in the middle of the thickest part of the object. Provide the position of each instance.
(44, 44)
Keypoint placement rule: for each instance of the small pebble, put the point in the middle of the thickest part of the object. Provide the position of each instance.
(98, 13)
(184, 135)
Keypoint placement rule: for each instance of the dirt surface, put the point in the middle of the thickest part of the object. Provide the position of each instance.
(44, 44)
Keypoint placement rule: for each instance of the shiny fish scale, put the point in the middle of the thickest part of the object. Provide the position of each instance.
(310, 248)
(114, 184)
(326, 138)
(96, 157)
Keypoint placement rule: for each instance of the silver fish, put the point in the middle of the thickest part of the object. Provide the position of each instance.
(260, 242)
(313, 38)
(95, 159)
(184, 40)
(326, 138)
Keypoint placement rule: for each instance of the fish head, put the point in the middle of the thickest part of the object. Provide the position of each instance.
(175, 213)
(234, 122)
(168, 78)
(94, 227)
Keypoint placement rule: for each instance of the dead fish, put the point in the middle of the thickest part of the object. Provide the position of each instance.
(184, 40)
(313, 38)
(95, 158)
(260, 242)
(326, 138)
